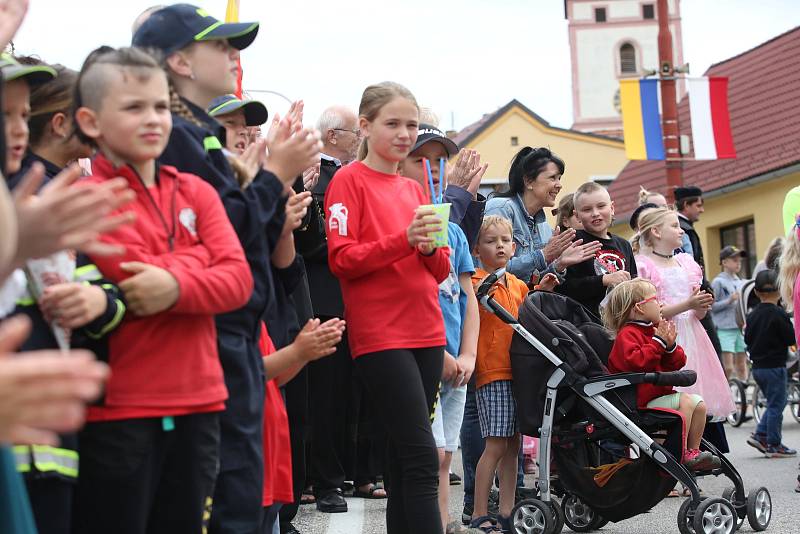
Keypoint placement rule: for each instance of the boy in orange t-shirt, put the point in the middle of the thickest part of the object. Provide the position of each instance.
(496, 406)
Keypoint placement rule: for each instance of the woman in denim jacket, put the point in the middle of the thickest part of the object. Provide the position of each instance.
(534, 182)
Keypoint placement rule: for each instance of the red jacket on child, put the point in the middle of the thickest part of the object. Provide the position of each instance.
(167, 364)
(277, 445)
(390, 290)
(638, 349)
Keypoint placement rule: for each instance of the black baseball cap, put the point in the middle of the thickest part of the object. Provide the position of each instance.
(428, 132)
(33, 74)
(766, 281)
(255, 113)
(174, 27)
(731, 251)
(687, 192)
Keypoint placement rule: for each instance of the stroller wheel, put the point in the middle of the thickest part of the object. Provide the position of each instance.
(558, 515)
(578, 516)
(714, 516)
(794, 401)
(532, 516)
(759, 403)
(739, 395)
(686, 517)
(729, 495)
(759, 509)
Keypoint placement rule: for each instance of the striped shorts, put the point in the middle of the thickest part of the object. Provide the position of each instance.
(497, 410)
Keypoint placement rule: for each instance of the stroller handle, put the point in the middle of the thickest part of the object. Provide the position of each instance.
(672, 378)
(488, 282)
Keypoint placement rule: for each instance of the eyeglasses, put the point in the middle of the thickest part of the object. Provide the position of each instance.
(355, 131)
(648, 299)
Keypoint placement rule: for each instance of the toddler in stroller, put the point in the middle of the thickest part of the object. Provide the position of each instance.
(584, 417)
(646, 342)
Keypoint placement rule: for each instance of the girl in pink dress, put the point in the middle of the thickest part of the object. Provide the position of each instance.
(677, 278)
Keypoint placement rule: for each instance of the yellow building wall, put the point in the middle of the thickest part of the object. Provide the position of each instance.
(583, 156)
(761, 203)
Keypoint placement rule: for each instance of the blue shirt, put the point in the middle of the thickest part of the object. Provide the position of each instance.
(531, 234)
(452, 297)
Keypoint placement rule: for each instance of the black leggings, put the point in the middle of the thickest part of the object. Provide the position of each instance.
(402, 386)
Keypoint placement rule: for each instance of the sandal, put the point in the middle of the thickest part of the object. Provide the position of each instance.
(491, 528)
(371, 493)
(673, 493)
(307, 497)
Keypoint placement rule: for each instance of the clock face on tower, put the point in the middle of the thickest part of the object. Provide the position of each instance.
(617, 105)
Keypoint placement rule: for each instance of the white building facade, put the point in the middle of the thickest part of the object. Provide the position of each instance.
(611, 40)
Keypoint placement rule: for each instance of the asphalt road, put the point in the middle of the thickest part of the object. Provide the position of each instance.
(779, 475)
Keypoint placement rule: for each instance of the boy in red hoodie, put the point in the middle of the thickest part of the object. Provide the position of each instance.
(152, 444)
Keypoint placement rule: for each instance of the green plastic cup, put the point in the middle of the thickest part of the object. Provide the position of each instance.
(443, 212)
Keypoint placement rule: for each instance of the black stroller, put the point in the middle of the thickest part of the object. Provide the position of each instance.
(607, 465)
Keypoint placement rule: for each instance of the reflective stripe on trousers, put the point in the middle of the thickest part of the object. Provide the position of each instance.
(46, 459)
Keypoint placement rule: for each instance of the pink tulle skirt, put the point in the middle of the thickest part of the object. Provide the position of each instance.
(701, 357)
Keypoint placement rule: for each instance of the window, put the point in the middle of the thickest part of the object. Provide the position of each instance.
(514, 140)
(600, 14)
(743, 236)
(648, 12)
(627, 59)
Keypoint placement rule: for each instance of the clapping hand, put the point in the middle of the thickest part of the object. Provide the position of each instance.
(667, 331)
(468, 171)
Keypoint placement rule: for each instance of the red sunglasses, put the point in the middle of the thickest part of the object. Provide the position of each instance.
(648, 299)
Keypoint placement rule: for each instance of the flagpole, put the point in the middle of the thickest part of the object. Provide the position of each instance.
(669, 108)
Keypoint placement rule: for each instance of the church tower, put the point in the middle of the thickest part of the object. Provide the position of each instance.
(610, 40)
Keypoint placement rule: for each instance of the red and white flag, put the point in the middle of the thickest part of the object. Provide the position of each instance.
(711, 124)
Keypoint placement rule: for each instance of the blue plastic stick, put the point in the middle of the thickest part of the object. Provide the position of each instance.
(441, 180)
(430, 180)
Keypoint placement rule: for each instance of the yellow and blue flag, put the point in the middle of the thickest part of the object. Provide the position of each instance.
(641, 122)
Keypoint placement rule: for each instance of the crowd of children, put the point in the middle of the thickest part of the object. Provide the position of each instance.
(174, 260)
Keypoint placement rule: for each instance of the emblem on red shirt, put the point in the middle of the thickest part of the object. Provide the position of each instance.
(188, 219)
(338, 218)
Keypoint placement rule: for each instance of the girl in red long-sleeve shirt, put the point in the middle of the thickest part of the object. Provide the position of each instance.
(379, 248)
(645, 343)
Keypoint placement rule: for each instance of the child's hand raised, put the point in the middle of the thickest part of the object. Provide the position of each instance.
(66, 215)
(292, 150)
(547, 283)
(467, 172)
(613, 279)
(317, 340)
(558, 243)
(296, 209)
(667, 331)
(700, 300)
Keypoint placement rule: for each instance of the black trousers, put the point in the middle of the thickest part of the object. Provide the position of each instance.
(403, 385)
(296, 394)
(329, 384)
(366, 440)
(51, 502)
(240, 484)
(136, 477)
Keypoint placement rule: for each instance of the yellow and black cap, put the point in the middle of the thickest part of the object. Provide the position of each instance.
(174, 27)
(33, 74)
(255, 113)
